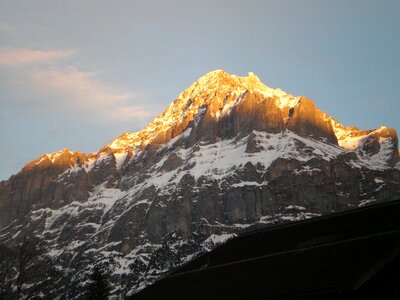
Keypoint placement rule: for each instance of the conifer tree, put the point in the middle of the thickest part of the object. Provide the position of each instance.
(98, 288)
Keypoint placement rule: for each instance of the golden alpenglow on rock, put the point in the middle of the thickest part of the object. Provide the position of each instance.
(228, 154)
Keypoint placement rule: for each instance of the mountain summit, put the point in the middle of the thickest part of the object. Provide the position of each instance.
(228, 154)
(223, 105)
(219, 105)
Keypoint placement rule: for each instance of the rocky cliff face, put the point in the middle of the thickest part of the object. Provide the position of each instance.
(229, 154)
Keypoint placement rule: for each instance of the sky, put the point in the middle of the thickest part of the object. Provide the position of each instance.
(77, 74)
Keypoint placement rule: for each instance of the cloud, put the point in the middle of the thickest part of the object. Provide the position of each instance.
(79, 90)
(24, 56)
(45, 83)
(130, 112)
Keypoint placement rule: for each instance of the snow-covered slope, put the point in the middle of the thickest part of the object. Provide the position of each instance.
(380, 144)
(229, 154)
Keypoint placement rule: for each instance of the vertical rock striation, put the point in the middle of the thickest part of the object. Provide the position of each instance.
(229, 154)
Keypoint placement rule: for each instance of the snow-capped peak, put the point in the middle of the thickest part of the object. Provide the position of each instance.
(216, 91)
(53, 156)
(228, 154)
(220, 105)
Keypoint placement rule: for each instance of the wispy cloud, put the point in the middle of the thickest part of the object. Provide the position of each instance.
(23, 56)
(84, 90)
(51, 83)
(130, 113)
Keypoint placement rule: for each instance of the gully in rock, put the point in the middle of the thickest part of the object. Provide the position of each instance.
(229, 154)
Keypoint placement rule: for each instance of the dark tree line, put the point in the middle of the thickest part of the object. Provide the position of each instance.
(98, 287)
(27, 273)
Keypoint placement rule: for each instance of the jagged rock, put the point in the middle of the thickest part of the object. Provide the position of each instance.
(384, 141)
(307, 120)
(229, 154)
(252, 144)
(171, 163)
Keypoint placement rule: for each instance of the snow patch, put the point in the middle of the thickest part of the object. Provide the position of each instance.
(295, 207)
(217, 239)
(119, 159)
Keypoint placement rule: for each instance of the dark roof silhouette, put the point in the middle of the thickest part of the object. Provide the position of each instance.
(347, 255)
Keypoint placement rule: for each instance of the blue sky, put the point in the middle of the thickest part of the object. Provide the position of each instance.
(77, 74)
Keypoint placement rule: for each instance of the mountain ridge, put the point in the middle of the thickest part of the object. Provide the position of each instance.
(229, 154)
(346, 136)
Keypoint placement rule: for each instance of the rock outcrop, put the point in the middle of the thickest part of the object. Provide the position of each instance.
(229, 154)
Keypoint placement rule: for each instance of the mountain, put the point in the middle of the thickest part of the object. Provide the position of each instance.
(229, 154)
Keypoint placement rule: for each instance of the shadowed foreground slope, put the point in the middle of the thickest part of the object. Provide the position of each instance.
(350, 255)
